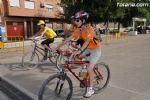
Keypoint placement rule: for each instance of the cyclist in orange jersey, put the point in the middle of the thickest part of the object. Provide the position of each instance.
(90, 45)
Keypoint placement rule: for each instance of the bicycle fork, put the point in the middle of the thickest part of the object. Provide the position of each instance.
(32, 56)
(60, 84)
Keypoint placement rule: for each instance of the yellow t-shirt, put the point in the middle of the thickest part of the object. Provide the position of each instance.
(87, 34)
(49, 33)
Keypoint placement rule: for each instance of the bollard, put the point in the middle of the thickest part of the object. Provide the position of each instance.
(12, 45)
(116, 37)
(1, 45)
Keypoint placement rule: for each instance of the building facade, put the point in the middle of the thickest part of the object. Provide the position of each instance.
(20, 17)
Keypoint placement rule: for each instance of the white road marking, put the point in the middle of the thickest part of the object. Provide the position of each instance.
(128, 90)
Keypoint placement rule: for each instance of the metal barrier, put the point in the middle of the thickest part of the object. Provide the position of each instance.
(11, 44)
(117, 36)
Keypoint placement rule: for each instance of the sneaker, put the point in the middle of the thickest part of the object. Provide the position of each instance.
(89, 92)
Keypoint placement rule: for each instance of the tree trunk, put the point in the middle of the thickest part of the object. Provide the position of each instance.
(118, 25)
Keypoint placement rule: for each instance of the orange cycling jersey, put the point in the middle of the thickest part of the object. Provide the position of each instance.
(86, 34)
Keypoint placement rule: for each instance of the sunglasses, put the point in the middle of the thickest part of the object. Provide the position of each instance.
(76, 20)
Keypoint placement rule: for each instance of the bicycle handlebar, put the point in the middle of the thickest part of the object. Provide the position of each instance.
(72, 56)
(67, 53)
(64, 53)
(34, 39)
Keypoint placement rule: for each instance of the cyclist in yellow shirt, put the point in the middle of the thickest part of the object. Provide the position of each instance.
(48, 33)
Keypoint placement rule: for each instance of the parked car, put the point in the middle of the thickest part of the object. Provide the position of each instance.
(59, 32)
(130, 31)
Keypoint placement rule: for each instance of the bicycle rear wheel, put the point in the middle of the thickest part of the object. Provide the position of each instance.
(56, 87)
(53, 56)
(101, 77)
(30, 60)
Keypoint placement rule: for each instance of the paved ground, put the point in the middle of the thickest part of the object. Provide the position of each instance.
(3, 96)
(129, 65)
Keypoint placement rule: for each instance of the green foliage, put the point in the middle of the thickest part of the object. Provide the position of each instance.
(107, 10)
(96, 8)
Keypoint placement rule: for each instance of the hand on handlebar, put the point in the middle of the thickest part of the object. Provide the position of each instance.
(58, 50)
(76, 53)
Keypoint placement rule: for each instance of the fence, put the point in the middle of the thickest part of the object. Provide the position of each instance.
(116, 36)
(11, 44)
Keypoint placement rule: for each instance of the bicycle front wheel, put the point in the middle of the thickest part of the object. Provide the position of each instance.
(30, 60)
(56, 87)
(101, 77)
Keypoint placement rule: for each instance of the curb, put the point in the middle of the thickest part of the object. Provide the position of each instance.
(13, 90)
(26, 43)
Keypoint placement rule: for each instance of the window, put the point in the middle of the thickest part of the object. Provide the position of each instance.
(61, 10)
(48, 7)
(14, 3)
(29, 4)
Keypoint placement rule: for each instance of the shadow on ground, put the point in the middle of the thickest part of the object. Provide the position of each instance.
(32, 83)
(44, 67)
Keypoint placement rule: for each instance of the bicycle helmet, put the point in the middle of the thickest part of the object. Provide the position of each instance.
(80, 15)
(41, 22)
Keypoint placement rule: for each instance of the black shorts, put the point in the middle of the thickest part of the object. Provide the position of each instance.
(80, 42)
(47, 41)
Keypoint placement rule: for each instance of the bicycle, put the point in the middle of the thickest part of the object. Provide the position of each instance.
(59, 86)
(31, 59)
(64, 56)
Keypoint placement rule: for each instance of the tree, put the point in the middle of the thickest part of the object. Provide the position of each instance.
(96, 8)
(107, 10)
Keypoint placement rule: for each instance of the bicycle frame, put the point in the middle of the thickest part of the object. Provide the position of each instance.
(67, 65)
(37, 48)
(58, 80)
